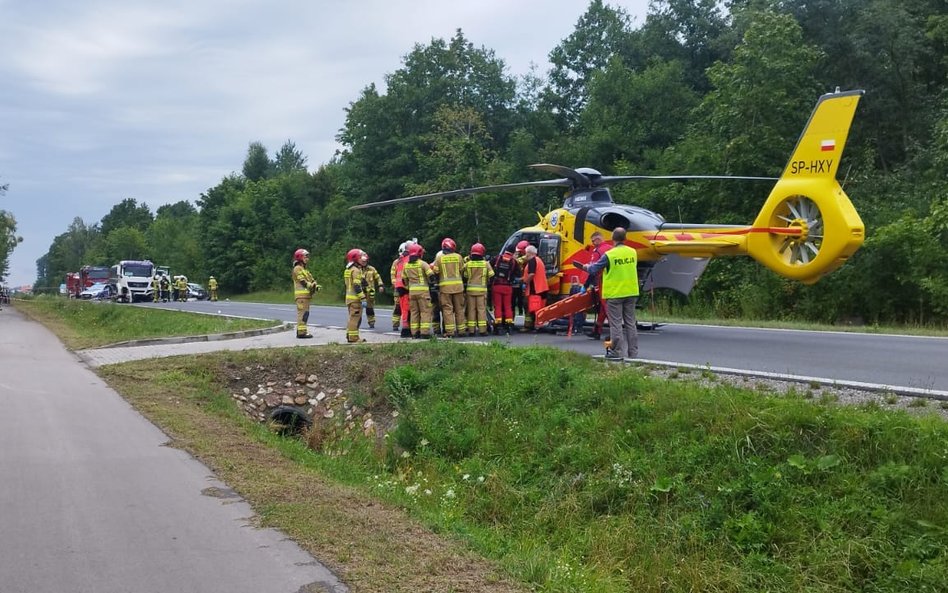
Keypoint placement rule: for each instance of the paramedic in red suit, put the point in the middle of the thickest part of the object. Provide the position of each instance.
(599, 247)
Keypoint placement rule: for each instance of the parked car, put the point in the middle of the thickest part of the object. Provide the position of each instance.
(97, 292)
(196, 291)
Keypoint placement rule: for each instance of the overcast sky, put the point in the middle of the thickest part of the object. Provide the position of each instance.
(102, 100)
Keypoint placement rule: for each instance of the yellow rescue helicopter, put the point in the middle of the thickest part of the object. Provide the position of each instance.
(806, 228)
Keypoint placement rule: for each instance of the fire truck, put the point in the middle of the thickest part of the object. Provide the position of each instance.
(76, 282)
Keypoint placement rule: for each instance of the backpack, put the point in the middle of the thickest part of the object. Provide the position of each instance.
(505, 268)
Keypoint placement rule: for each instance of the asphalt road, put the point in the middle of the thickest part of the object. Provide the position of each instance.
(910, 362)
(93, 502)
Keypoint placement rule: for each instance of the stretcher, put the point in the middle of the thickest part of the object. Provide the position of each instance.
(565, 308)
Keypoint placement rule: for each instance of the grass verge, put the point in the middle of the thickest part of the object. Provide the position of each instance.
(568, 474)
(85, 324)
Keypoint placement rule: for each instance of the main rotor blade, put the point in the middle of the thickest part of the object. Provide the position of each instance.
(579, 180)
(615, 178)
(464, 192)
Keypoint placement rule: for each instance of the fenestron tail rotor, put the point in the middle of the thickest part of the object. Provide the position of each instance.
(803, 214)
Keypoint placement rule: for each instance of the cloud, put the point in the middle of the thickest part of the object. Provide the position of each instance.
(103, 100)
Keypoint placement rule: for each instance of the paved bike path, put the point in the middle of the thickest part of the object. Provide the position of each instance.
(93, 501)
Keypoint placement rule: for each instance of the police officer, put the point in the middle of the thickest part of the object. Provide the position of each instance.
(620, 290)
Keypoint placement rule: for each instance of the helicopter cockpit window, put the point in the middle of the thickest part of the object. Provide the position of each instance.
(601, 195)
(549, 252)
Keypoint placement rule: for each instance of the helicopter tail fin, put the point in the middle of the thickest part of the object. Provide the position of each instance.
(808, 227)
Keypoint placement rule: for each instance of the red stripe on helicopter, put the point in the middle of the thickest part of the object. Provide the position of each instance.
(772, 230)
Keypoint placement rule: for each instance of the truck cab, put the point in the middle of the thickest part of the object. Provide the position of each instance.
(131, 280)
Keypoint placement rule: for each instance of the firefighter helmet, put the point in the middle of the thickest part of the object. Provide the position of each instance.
(449, 243)
(478, 249)
(299, 254)
(415, 250)
(353, 255)
(522, 246)
(403, 248)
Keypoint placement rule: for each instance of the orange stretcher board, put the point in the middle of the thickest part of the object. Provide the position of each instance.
(564, 308)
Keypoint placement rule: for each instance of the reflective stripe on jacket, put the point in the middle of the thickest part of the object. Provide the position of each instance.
(353, 279)
(450, 267)
(301, 281)
(477, 273)
(396, 273)
(415, 276)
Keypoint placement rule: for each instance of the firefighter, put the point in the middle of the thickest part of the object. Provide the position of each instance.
(371, 283)
(400, 312)
(155, 287)
(477, 273)
(212, 286)
(415, 276)
(450, 266)
(182, 285)
(304, 286)
(165, 287)
(506, 276)
(355, 294)
(535, 286)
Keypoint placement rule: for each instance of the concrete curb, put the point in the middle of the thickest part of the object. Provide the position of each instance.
(204, 338)
(804, 380)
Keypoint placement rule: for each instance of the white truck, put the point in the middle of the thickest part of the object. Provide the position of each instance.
(131, 280)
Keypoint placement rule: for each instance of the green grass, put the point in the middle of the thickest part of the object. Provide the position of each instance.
(569, 474)
(85, 324)
(578, 476)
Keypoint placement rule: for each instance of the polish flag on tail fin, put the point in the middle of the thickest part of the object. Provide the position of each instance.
(828, 145)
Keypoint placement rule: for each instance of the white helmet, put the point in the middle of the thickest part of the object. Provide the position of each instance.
(403, 248)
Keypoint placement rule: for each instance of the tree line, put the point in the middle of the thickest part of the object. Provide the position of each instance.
(697, 88)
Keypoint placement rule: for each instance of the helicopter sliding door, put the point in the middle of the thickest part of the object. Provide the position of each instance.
(547, 244)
